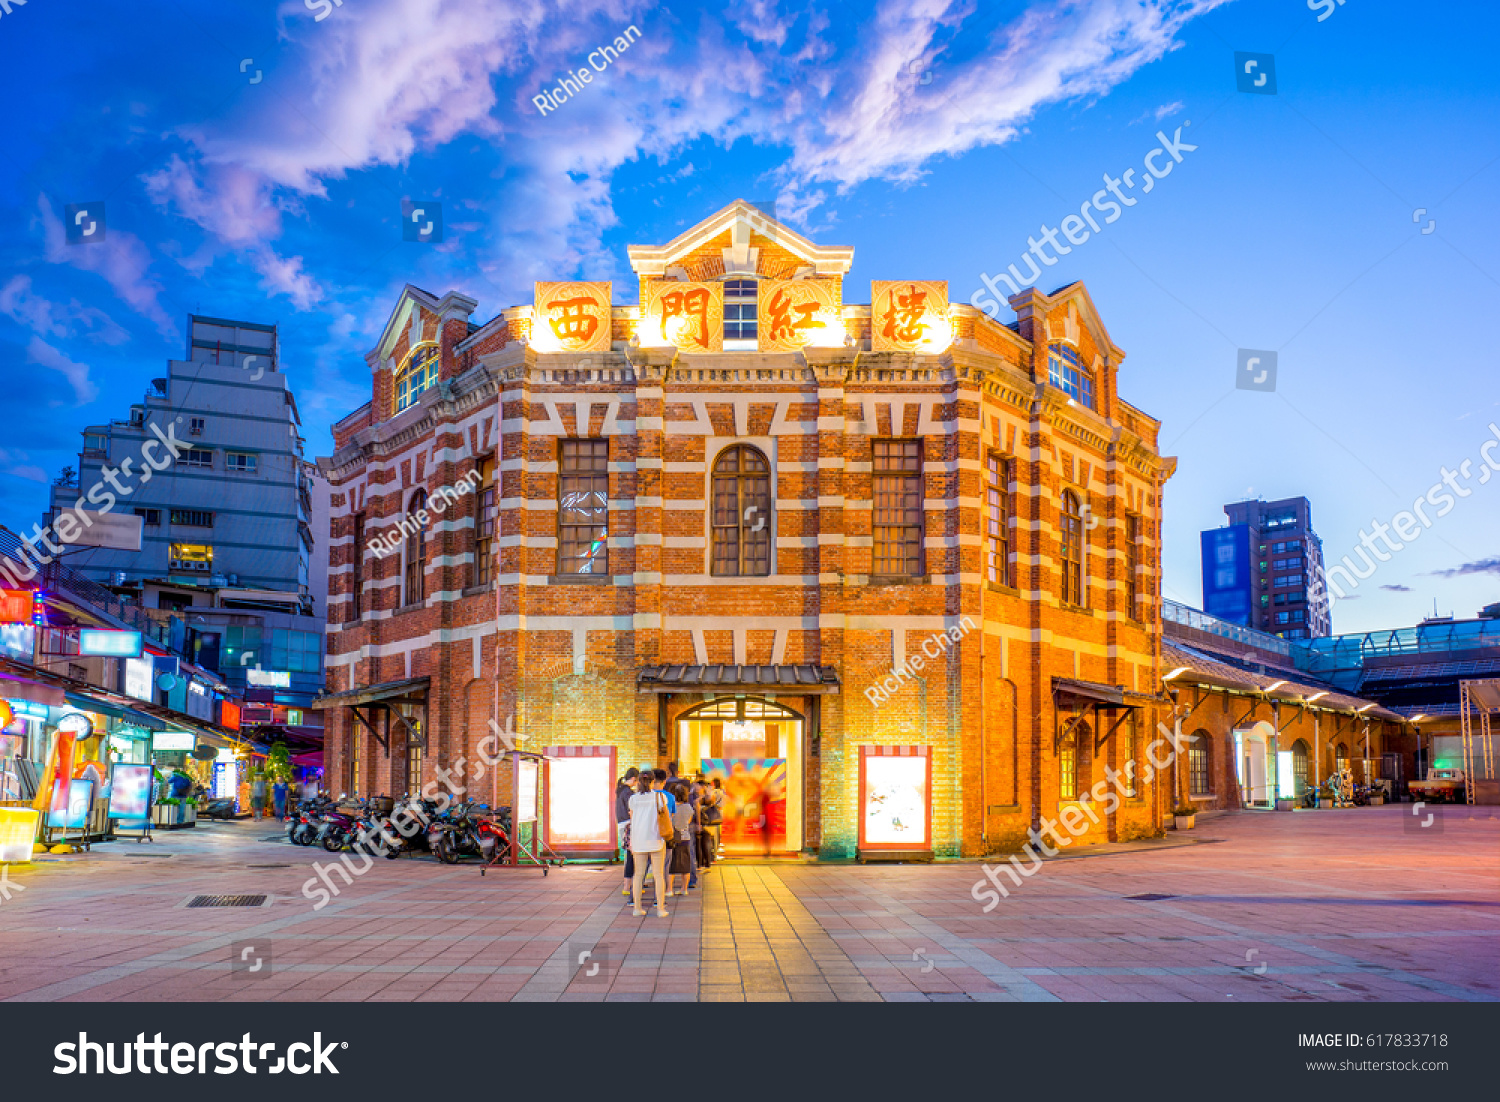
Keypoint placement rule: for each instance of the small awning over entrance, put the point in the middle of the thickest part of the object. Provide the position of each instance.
(1090, 691)
(760, 679)
(117, 711)
(384, 698)
(413, 691)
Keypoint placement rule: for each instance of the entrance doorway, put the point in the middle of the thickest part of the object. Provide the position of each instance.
(753, 747)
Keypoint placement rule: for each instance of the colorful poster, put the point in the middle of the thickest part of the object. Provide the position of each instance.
(76, 803)
(571, 317)
(910, 316)
(130, 794)
(754, 803)
(894, 801)
(526, 791)
(580, 801)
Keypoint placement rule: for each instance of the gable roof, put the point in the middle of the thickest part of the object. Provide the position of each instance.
(739, 219)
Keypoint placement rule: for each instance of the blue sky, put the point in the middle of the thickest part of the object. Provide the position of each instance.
(934, 137)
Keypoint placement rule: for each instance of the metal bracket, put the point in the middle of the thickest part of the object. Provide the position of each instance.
(384, 743)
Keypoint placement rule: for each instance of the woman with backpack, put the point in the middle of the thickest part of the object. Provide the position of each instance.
(650, 826)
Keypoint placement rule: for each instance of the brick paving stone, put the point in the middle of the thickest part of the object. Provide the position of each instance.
(1295, 907)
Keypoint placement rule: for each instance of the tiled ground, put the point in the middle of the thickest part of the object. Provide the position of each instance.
(1330, 905)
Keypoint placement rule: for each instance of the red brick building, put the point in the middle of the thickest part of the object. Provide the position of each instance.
(899, 561)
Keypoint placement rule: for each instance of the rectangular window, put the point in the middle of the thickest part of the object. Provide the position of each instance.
(484, 524)
(1131, 762)
(997, 520)
(356, 737)
(1199, 781)
(1071, 522)
(93, 442)
(1132, 566)
(897, 491)
(1067, 770)
(413, 767)
(583, 507)
(739, 310)
(149, 516)
(191, 558)
(240, 461)
(193, 518)
(195, 426)
(197, 457)
(357, 575)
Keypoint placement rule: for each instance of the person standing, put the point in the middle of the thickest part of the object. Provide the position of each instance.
(682, 874)
(278, 797)
(258, 795)
(647, 846)
(624, 787)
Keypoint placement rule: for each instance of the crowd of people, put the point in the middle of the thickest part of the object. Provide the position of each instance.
(669, 828)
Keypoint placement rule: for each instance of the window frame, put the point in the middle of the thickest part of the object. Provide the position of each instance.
(1200, 767)
(736, 299)
(574, 480)
(357, 574)
(898, 550)
(414, 555)
(486, 523)
(1068, 373)
(192, 457)
(1133, 566)
(1067, 766)
(406, 390)
(1071, 550)
(746, 539)
(251, 464)
(999, 507)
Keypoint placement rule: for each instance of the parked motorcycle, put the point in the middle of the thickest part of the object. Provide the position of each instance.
(304, 821)
(470, 830)
(415, 815)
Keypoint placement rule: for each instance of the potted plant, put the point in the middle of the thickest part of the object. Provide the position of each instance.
(1184, 816)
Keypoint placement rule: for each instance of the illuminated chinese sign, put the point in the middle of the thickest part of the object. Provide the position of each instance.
(571, 317)
(687, 315)
(139, 675)
(109, 644)
(794, 313)
(909, 316)
(15, 606)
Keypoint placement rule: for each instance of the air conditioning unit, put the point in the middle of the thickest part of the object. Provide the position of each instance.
(234, 579)
(218, 579)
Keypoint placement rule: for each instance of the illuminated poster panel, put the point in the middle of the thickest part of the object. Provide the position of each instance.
(130, 794)
(526, 787)
(80, 799)
(581, 800)
(895, 784)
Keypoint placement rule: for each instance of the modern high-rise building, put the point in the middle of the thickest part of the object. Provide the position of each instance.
(235, 509)
(1265, 570)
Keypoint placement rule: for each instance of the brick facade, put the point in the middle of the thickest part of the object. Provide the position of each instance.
(562, 653)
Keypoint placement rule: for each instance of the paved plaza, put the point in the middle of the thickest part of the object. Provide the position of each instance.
(1357, 905)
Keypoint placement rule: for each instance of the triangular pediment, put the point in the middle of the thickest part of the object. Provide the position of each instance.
(410, 305)
(737, 235)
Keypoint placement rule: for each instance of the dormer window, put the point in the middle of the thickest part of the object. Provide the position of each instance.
(739, 315)
(417, 373)
(1065, 370)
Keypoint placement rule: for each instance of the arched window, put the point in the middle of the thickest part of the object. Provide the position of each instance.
(416, 550)
(1066, 371)
(1341, 756)
(742, 514)
(1299, 767)
(418, 372)
(1071, 533)
(1200, 765)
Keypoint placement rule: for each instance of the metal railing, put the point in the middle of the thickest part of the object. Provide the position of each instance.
(1202, 621)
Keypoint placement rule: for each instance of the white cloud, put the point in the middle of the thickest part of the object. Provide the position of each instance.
(54, 319)
(39, 351)
(120, 259)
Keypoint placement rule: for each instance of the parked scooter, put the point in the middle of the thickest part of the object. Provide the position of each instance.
(415, 815)
(303, 822)
(470, 830)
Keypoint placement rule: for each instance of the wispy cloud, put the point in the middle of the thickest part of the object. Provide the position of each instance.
(1397, 588)
(1479, 566)
(56, 319)
(39, 351)
(121, 260)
